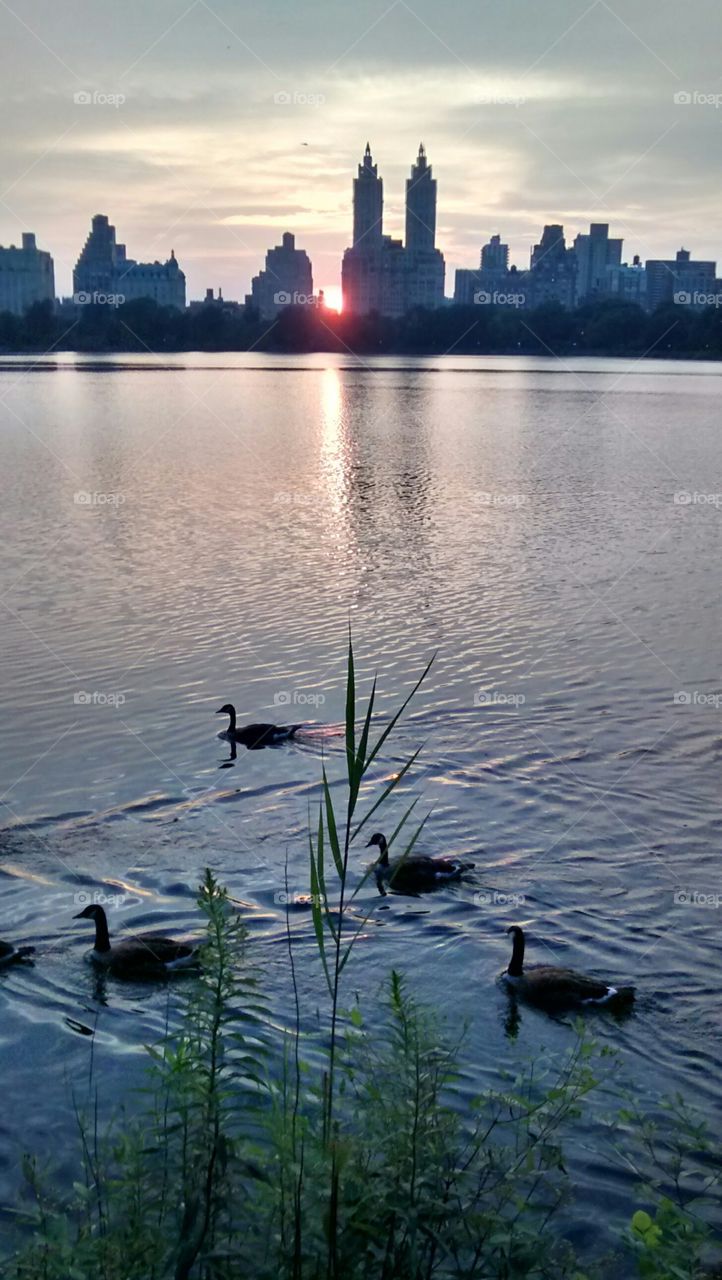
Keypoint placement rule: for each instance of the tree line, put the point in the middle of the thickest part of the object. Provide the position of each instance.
(605, 327)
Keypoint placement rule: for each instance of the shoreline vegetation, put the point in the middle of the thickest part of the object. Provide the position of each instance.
(252, 1152)
(605, 328)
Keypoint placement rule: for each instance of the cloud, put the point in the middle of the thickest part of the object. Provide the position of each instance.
(200, 157)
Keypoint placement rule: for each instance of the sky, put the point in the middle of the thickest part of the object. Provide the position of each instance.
(213, 126)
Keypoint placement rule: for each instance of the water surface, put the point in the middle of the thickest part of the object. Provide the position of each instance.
(191, 530)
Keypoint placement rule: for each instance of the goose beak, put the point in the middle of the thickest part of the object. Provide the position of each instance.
(220, 712)
(79, 916)
(368, 846)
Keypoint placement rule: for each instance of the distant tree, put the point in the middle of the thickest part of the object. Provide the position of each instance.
(11, 330)
(39, 326)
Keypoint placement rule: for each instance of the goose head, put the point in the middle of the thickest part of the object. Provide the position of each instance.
(227, 710)
(97, 913)
(93, 912)
(379, 840)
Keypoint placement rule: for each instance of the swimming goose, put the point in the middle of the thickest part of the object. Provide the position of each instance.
(416, 873)
(13, 955)
(144, 953)
(255, 736)
(555, 988)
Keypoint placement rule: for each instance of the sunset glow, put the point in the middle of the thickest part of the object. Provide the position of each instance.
(332, 296)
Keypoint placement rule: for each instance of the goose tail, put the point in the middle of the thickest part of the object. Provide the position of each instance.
(22, 953)
(618, 997)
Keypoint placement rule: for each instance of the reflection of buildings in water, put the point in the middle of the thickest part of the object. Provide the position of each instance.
(373, 460)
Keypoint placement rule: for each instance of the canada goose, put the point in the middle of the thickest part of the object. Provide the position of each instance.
(555, 988)
(256, 736)
(143, 953)
(13, 955)
(413, 874)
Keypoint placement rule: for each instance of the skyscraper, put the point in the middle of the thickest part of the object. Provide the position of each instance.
(104, 273)
(420, 205)
(682, 275)
(368, 203)
(372, 272)
(26, 276)
(379, 273)
(495, 255)
(425, 267)
(285, 281)
(594, 253)
(552, 277)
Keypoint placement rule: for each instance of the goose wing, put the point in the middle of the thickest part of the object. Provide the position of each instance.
(152, 951)
(422, 872)
(550, 985)
(254, 736)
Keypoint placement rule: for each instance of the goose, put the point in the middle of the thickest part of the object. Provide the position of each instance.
(13, 955)
(256, 736)
(413, 874)
(555, 988)
(144, 953)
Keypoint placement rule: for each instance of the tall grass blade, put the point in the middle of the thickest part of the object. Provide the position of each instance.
(350, 715)
(392, 785)
(398, 714)
(332, 828)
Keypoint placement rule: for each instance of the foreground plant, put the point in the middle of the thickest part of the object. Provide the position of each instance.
(153, 1195)
(361, 1159)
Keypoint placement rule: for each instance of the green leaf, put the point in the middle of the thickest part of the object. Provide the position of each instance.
(332, 828)
(395, 718)
(393, 783)
(363, 744)
(316, 912)
(350, 714)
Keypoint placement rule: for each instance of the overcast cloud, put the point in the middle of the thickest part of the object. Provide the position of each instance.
(532, 111)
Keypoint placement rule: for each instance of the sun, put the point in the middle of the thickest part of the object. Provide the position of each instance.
(332, 296)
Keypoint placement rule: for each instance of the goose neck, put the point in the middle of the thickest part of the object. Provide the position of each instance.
(516, 965)
(102, 937)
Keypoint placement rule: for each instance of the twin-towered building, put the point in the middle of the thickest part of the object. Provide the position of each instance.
(382, 274)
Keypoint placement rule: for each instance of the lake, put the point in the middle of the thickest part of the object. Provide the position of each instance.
(184, 531)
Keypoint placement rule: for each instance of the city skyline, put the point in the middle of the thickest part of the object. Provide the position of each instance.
(569, 119)
(411, 272)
